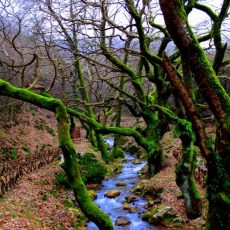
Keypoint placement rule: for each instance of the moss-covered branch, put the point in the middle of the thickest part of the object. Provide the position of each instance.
(216, 30)
(71, 167)
(153, 59)
(124, 67)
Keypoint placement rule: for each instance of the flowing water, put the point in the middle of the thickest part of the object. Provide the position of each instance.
(114, 206)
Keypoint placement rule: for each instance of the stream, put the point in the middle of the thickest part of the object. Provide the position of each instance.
(114, 206)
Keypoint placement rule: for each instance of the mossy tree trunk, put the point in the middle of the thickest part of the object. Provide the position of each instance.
(117, 138)
(155, 155)
(153, 147)
(71, 166)
(102, 147)
(218, 159)
(95, 138)
(185, 171)
(186, 167)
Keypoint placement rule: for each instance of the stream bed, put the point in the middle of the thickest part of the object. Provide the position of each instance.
(114, 206)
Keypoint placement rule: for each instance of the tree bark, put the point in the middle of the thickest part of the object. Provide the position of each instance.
(218, 160)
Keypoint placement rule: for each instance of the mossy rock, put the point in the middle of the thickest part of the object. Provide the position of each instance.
(144, 188)
(118, 168)
(92, 171)
(162, 215)
(133, 148)
(117, 153)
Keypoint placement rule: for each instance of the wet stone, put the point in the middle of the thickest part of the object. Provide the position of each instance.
(112, 193)
(126, 206)
(130, 199)
(121, 183)
(136, 162)
(122, 221)
(162, 215)
(132, 210)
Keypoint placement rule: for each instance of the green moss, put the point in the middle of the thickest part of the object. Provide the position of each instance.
(91, 169)
(68, 203)
(162, 215)
(102, 147)
(181, 10)
(117, 153)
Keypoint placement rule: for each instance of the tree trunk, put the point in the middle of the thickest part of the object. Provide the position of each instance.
(71, 168)
(102, 147)
(218, 160)
(218, 191)
(94, 138)
(185, 177)
(155, 155)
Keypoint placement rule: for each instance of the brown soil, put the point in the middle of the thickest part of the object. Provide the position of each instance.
(35, 202)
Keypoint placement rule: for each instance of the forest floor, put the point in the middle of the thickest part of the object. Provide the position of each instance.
(37, 203)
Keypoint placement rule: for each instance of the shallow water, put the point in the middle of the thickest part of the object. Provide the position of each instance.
(114, 206)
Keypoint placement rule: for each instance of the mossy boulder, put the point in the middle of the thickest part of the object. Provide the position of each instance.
(162, 215)
(118, 168)
(146, 188)
(92, 171)
(117, 153)
(112, 193)
(131, 147)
